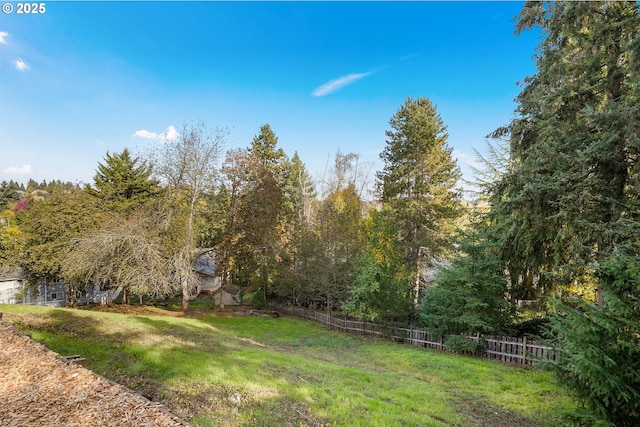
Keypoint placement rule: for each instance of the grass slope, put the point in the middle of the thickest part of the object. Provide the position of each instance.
(229, 371)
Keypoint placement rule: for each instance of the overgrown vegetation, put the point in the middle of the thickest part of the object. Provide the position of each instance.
(228, 371)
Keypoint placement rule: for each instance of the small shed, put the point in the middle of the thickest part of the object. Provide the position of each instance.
(230, 295)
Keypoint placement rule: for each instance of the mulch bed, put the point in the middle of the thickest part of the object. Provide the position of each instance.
(40, 388)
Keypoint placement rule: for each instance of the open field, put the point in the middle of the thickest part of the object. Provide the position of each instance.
(220, 370)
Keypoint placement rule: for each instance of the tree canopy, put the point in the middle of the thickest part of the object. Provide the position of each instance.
(123, 183)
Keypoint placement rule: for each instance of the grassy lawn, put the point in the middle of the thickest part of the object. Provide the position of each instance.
(228, 371)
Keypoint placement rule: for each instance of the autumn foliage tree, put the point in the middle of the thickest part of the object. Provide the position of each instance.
(188, 166)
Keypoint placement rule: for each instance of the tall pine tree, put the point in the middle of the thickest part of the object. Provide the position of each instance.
(417, 184)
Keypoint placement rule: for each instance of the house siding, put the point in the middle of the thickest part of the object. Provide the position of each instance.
(9, 289)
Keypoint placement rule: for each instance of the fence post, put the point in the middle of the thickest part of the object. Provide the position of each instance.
(524, 350)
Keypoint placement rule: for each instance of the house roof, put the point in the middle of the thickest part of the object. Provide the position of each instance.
(205, 264)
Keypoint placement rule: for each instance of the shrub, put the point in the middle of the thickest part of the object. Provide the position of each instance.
(464, 345)
(258, 301)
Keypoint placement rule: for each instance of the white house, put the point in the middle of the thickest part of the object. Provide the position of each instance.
(10, 289)
(14, 290)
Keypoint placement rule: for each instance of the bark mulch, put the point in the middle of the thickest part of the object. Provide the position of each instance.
(40, 388)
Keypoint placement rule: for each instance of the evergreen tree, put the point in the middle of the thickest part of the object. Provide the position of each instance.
(417, 182)
(48, 231)
(298, 194)
(264, 147)
(300, 189)
(213, 219)
(470, 294)
(599, 346)
(123, 182)
(573, 145)
(8, 194)
(570, 198)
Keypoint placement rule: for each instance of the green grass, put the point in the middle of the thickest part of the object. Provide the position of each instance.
(228, 371)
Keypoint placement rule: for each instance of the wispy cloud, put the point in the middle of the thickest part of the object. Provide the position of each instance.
(467, 159)
(19, 170)
(338, 83)
(21, 65)
(3, 37)
(169, 135)
(411, 55)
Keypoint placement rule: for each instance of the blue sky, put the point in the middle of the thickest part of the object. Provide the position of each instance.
(85, 78)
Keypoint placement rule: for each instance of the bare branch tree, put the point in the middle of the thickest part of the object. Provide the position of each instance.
(188, 165)
(126, 252)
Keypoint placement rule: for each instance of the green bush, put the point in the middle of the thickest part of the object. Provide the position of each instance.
(464, 345)
(258, 301)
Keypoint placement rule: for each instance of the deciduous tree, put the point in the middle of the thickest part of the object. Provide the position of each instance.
(188, 166)
(339, 228)
(381, 290)
(127, 251)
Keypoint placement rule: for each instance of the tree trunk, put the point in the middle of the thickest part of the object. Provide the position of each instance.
(185, 295)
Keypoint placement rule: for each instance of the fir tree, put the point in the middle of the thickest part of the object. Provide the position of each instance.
(123, 182)
(570, 199)
(418, 181)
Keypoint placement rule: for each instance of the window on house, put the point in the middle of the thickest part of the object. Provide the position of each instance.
(54, 296)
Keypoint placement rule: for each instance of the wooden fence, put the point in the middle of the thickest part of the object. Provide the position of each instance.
(505, 349)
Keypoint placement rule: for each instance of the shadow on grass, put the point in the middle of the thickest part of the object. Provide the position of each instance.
(197, 370)
(251, 371)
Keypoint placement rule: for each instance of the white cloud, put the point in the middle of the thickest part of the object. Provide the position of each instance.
(338, 83)
(21, 65)
(169, 135)
(3, 37)
(19, 170)
(467, 159)
(147, 135)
